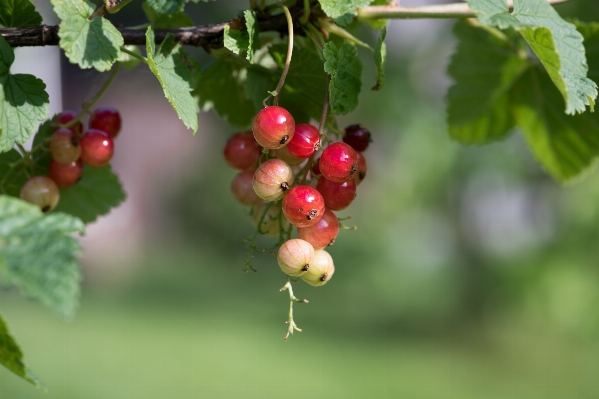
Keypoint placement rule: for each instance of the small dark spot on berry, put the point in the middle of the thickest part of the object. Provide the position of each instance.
(46, 209)
(324, 277)
(74, 141)
(361, 175)
(305, 268)
(331, 243)
(284, 139)
(284, 186)
(317, 146)
(354, 169)
(312, 214)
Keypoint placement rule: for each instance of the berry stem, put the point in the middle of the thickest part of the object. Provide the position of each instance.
(306, 15)
(292, 298)
(134, 55)
(251, 241)
(339, 31)
(289, 54)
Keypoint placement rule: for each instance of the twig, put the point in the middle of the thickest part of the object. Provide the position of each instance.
(292, 298)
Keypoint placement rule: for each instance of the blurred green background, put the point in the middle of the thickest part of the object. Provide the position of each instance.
(471, 275)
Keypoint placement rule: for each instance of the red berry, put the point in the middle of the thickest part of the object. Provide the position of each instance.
(305, 141)
(273, 127)
(40, 191)
(357, 136)
(338, 162)
(284, 155)
(65, 175)
(362, 169)
(272, 179)
(65, 146)
(242, 152)
(303, 206)
(106, 119)
(97, 148)
(65, 117)
(337, 196)
(242, 189)
(295, 257)
(323, 233)
(316, 168)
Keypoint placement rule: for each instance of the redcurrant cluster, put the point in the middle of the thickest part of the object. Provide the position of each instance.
(279, 178)
(70, 149)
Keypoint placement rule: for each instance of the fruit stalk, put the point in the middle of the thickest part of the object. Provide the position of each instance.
(292, 298)
(289, 54)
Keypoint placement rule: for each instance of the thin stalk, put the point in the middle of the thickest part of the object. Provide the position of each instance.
(289, 54)
(306, 15)
(134, 55)
(292, 298)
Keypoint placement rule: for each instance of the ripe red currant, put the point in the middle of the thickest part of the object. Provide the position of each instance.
(338, 162)
(41, 191)
(357, 136)
(97, 148)
(106, 119)
(284, 155)
(323, 233)
(65, 146)
(362, 168)
(65, 117)
(272, 179)
(242, 152)
(305, 141)
(337, 196)
(316, 167)
(295, 257)
(65, 175)
(321, 269)
(303, 206)
(270, 225)
(242, 189)
(273, 127)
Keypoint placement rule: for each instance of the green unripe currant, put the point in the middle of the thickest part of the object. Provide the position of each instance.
(270, 225)
(321, 269)
(295, 257)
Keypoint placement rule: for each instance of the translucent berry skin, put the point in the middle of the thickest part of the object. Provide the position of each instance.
(362, 169)
(303, 206)
(65, 117)
(295, 257)
(65, 175)
(273, 127)
(242, 189)
(41, 191)
(272, 179)
(338, 162)
(305, 141)
(284, 155)
(270, 224)
(321, 269)
(106, 119)
(323, 233)
(357, 136)
(242, 152)
(337, 196)
(65, 146)
(97, 148)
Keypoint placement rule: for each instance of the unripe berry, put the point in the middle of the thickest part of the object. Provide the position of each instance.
(337, 196)
(270, 224)
(272, 179)
(362, 168)
(65, 175)
(295, 257)
(323, 233)
(303, 206)
(284, 155)
(41, 191)
(65, 117)
(305, 141)
(97, 148)
(321, 269)
(242, 189)
(242, 152)
(106, 119)
(357, 136)
(338, 162)
(65, 146)
(273, 127)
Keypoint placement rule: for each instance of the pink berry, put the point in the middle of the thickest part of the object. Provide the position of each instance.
(338, 162)
(295, 257)
(337, 196)
(305, 141)
(323, 233)
(106, 119)
(362, 168)
(242, 189)
(303, 206)
(242, 152)
(357, 136)
(97, 148)
(272, 179)
(273, 127)
(65, 117)
(65, 146)
(321, 269)
(65, 175)
(41, 191)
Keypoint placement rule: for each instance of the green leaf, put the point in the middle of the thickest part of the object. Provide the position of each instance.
(90, 44)
(169, 21)
(39, 254)
(338, 8)
(166, 6)
(380, 58)
(175, 77)
(11, 356)
(12, 173)
(556, 42)
(18, 14)
(485, 67)
(235, 40)
(251, 22)
(23, 102)
(345, 69)
(98, 191)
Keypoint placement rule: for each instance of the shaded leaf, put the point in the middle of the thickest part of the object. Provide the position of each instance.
(345, 69)
(380, 59)
(11, 356)
(18, 14)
